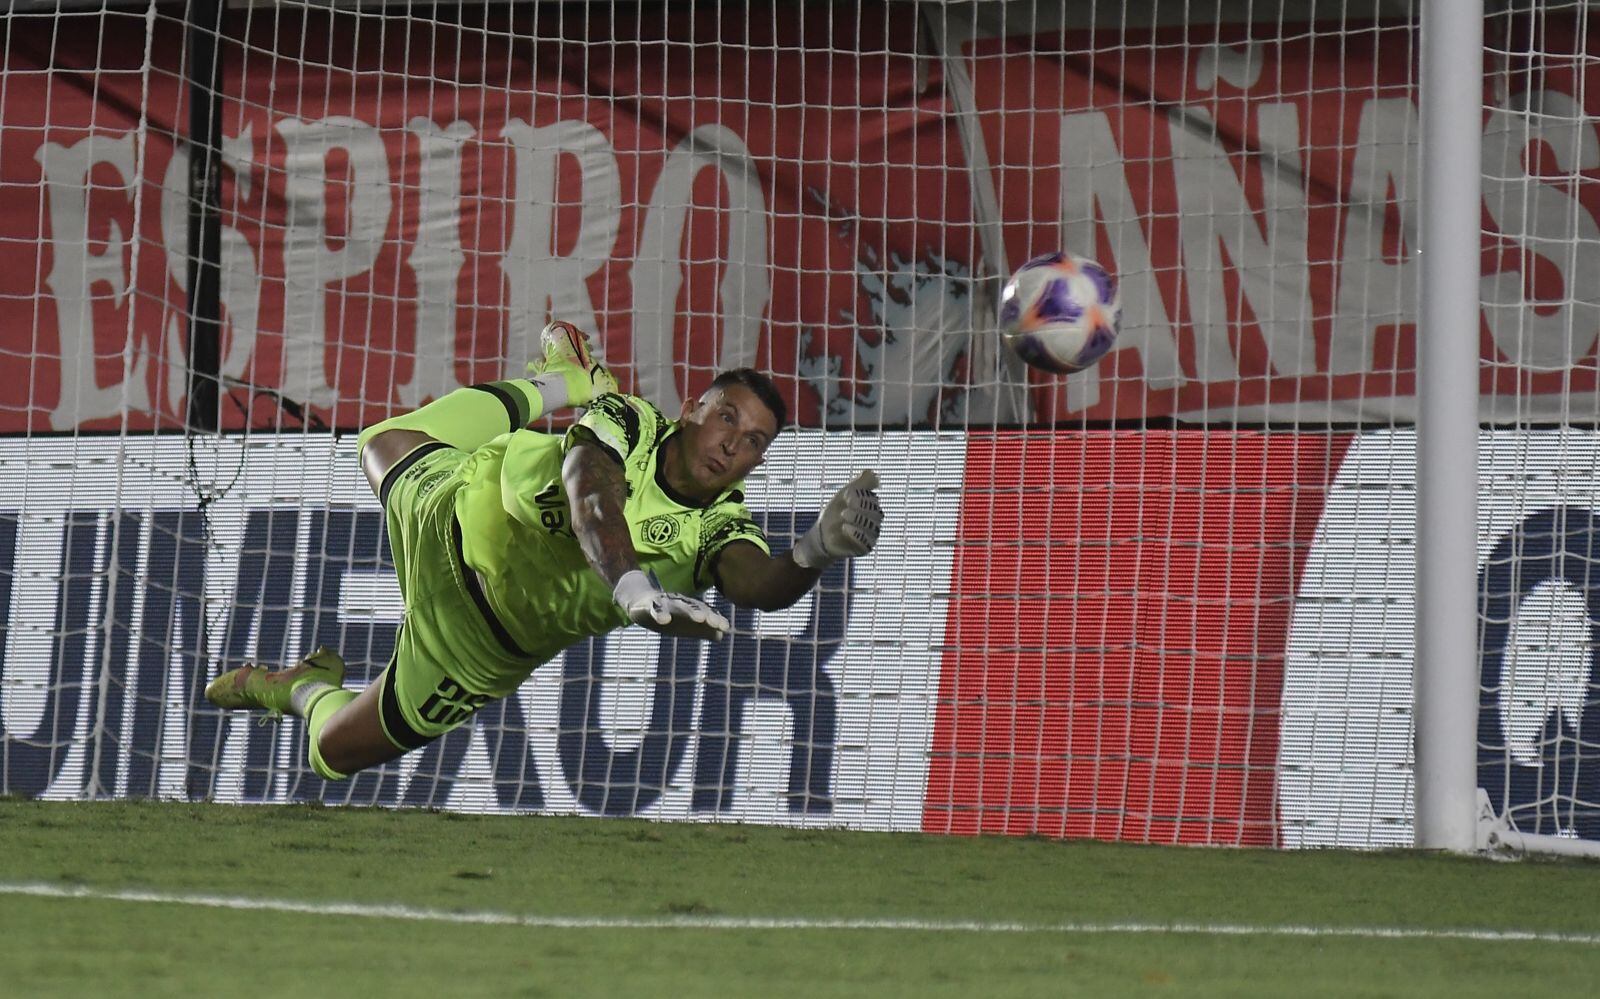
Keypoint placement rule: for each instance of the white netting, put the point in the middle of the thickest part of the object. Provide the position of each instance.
(1539, 716)
(1166, 599)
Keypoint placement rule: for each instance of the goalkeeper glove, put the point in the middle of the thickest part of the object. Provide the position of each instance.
(669, 613)
(847, 528)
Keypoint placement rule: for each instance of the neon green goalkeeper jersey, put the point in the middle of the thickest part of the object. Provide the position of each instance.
(516, 528)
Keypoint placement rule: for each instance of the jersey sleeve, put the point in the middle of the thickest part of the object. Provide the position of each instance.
(613, 423)
(724, 524)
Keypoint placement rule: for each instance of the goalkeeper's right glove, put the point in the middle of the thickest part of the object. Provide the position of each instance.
(669, 613)
(847, 528)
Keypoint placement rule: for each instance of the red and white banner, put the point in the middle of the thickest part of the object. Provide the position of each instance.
(1103, 660)
(1258, 199)
(1114, 651)
(800, 202)
(395, 230)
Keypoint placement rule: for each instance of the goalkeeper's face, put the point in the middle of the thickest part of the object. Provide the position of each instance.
(726, 434)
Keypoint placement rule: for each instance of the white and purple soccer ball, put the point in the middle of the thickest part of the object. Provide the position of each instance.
(1059, 312)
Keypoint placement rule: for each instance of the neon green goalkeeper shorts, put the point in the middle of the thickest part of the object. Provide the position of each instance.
(448, 621)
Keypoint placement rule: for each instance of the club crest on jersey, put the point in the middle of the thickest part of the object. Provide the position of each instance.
(662, 530)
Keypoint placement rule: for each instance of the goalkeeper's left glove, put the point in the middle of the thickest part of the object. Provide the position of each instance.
(848, 527)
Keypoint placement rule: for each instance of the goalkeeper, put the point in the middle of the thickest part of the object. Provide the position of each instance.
(511, 544)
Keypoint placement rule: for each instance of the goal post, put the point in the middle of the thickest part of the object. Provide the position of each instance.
(1220, 588)
(1447, 426)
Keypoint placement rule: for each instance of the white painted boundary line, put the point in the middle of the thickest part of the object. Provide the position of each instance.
(760, 923)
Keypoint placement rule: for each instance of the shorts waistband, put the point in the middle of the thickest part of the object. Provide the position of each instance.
(403, 466)
(469, 578)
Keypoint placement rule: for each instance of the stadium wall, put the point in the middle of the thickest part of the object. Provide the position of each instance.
(1221, 654)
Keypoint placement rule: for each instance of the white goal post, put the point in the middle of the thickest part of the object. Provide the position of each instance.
(1447, 427)
(1309, 559)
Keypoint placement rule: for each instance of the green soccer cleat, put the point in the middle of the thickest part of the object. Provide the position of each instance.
(255, 686)
(566, 353)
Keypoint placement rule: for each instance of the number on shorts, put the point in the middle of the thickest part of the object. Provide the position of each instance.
(450, 704)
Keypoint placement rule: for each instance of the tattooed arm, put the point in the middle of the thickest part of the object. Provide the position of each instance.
(596, 490)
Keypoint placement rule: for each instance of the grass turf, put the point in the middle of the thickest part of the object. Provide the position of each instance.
(584, 867)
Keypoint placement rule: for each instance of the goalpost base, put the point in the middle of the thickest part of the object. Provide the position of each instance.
(1495, 836)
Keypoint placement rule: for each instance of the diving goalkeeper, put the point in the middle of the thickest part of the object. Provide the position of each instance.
(511, 544)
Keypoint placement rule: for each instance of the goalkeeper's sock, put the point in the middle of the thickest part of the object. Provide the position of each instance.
(471, 417)
(316, 703)
(553, 388)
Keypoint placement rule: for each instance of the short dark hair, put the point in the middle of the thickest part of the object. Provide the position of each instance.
(758, 383)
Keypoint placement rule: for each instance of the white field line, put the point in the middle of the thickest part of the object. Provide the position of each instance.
(799, 923)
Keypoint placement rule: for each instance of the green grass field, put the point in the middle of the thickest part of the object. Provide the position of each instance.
(130, 898)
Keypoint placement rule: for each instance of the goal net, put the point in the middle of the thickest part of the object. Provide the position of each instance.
(1167, 599)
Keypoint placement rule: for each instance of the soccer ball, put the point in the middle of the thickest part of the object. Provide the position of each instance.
(1059, 312)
